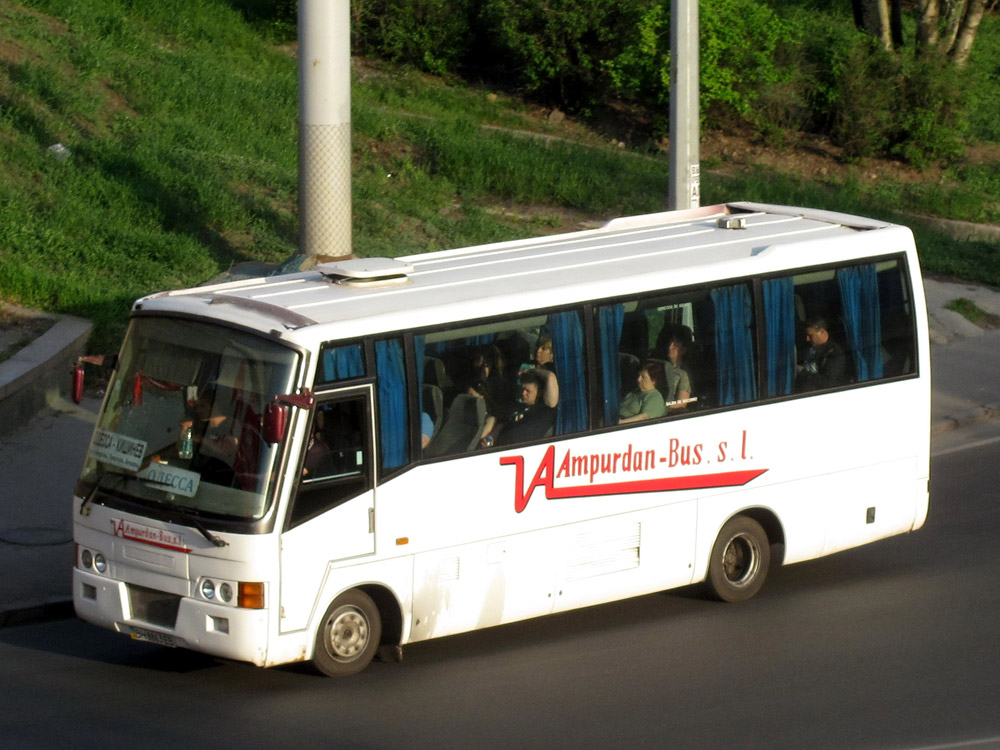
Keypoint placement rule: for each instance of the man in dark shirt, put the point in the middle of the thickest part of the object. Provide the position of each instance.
(823, 365)
(536, 414)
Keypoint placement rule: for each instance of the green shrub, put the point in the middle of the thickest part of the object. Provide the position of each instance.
(432, 35)
(932, 121)
(741, 48)
(554, 47)
(983, 81)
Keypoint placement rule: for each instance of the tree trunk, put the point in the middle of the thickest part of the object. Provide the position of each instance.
(967, 32)
(927, 24)
(956, 12)
(875, 20)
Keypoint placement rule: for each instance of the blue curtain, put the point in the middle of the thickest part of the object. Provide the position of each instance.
(392, 411)
(343, 362)
(734, 344)
(567, 341)
(859, 300)
(779, 321)
(610, 320)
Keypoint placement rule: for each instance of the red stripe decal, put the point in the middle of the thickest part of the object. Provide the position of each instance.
(694, 482)
(545, 475)
(155, 544)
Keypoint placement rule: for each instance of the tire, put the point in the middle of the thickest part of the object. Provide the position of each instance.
(740, 559)
(348, 636)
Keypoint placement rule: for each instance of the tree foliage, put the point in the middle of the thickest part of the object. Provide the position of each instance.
(777, 65)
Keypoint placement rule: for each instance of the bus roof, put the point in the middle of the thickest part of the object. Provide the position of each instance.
(625, 256)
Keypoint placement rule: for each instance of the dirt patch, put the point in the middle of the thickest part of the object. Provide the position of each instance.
(808, 156)
(18, 329)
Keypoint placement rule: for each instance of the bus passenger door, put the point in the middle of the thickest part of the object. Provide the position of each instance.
(332, 512)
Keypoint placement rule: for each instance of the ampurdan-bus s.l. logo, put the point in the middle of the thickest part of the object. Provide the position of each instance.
(631, 460)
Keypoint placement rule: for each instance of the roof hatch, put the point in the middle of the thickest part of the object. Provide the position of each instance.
(367, 271)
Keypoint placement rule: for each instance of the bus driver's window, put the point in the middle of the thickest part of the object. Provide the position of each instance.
(334, 467)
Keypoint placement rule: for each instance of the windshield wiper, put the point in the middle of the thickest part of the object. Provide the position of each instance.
(189, 517)
(101, 473)
(193, 520)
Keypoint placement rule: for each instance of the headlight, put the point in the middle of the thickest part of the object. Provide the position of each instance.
(208, 589)
(100, 564)
(86, 558)
(226, 592)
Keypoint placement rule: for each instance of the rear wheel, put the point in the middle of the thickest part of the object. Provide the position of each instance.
(740, 560)
(348, 636)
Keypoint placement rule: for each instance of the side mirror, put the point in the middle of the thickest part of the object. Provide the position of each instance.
(275, 422)
(76, 386)
(276, 413)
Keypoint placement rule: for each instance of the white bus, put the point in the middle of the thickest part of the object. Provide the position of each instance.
(331, 464)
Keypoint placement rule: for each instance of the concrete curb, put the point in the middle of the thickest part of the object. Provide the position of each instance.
(39, 373)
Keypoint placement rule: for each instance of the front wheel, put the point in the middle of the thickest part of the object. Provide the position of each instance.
(739, 562)
(348, 636)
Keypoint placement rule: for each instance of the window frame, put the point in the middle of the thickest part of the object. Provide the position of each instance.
(587, 312)
(365, 392)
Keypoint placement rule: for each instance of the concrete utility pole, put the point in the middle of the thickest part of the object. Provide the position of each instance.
(685, 151)
(324, 127)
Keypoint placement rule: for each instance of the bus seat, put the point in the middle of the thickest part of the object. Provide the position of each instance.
(462, 429)
(434, 405)
(628, 365)
(434, 372)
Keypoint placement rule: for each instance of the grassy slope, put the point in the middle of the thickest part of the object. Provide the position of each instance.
(181, 124)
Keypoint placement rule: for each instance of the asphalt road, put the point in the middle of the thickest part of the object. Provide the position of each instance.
(894, 645)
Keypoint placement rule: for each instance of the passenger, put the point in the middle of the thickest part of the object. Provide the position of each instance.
(676, 382)
(489, 368)
(544, 355)
(480, 389)
(535, 416)
(545, 359)
(318, 461)
(426, 429)
(647, 401)
(824, 364)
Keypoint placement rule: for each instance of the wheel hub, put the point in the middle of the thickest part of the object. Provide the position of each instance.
(348, 634)
(740, 560)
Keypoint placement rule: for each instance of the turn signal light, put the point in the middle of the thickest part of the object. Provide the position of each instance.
(251, 595)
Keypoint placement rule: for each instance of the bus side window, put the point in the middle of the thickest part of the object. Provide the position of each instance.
(863, 312)
(896, 305)
(335, 467)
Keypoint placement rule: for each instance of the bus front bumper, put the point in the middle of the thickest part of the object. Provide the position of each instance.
(178, 621)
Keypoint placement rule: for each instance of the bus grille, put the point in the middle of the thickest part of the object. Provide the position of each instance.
(154, 607)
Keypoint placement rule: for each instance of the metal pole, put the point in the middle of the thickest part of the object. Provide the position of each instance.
(685, 153)
(325, 127)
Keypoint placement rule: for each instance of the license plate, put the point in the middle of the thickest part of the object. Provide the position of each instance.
(150, 636)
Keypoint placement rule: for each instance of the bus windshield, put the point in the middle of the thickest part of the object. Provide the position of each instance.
(181, 424)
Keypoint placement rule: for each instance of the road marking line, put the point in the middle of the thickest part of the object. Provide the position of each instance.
(986, 741)
(968, 446)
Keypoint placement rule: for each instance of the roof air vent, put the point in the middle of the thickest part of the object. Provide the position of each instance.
(367, 271)
(731, 222)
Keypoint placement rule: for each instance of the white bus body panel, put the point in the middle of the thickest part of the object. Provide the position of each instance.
(479, 540)
(135, 564)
